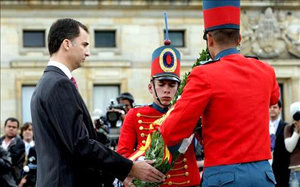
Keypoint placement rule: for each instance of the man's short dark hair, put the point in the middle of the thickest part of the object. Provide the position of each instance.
(66, 28)
(226, 36)
(13, 120)
(279, 104)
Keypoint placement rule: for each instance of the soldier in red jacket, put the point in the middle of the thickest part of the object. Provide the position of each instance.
(165, 73)
(232, 93)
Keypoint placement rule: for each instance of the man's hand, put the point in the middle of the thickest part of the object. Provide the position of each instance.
(128, 181)
(23, 181)
(144, 171)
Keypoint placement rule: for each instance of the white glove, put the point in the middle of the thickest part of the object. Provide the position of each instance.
(141, 158)
(185, 144)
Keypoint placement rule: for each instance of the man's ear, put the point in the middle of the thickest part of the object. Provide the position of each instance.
(210, 40)
(66, 44)
(150, 87)
(239, 40)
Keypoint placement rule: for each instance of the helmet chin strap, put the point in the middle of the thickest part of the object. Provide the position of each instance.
(157, 95)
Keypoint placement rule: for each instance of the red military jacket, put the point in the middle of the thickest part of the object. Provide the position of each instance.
(134, 134)
(233, 96)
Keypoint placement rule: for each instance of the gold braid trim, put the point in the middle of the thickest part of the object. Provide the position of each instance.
(143, 122)
(177, 183)
(144, 135)
(179, 162)
(176, 169)
(141, 128)
(178, 175)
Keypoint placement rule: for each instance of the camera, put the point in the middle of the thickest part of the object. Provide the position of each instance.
(101, 125)
(102, 130)
(114, 113)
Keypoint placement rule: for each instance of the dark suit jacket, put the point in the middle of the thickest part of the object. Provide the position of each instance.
(67, 151)
(16, 151)
(281, 158)
(6, 176)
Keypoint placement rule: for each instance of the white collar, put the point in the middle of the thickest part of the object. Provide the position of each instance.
(62, 67)
(276, 121)
(31, 143)
(5, 145)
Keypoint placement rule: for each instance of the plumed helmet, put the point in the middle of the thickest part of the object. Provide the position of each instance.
(166, 61)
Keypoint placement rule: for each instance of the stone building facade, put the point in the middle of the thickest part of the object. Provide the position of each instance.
(270, 30)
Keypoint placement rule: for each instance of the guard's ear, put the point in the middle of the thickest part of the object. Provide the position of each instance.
(150, 87)
(239, 40)
(210, 40)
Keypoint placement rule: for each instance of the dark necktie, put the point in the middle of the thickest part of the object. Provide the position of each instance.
(273, 139)
(74, 82)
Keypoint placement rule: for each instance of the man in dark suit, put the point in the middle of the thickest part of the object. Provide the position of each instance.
(14, 146)
(68, 154)
(281, 157)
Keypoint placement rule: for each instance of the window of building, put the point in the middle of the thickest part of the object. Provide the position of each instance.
(105, 38)
(176, 37)
(103, 95)
(27, 91)
(33, 38)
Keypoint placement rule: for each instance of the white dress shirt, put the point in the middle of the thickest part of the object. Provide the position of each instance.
(62, 67)
(28, 146)
(5, 145)
(274, 125)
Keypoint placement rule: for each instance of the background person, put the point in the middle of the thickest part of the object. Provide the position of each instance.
(27, 136)
(281, 157)
(292, 143)
(30, 164)
(127, 100)
(116, 114)
(101, 126)
(14, 146)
